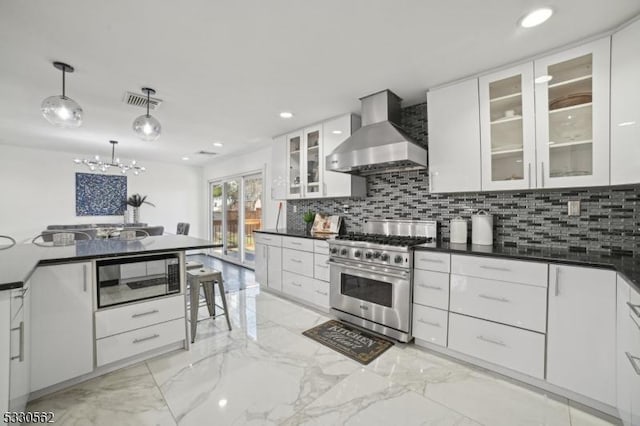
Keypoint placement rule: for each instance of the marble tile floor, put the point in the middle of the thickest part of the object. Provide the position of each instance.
(264, 372)
(235, 277)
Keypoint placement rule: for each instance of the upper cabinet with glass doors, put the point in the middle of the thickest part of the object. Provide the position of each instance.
(298, 162)
(507, 129)
(572, 116)
(294, 165)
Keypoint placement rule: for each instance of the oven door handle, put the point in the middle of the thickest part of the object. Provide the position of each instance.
(393, 273)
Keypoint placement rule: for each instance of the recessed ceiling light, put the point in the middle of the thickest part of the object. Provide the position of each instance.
(337, 132)
(218, 144)
(286, 114)
(185, 158)
(537, 17)
(543, 79)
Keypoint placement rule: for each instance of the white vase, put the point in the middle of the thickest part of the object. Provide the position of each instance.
(136, 215)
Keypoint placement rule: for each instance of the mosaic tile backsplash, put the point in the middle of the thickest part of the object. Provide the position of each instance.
(609, 220)
(100, 195)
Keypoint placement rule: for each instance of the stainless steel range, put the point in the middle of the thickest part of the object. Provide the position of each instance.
(372, 275)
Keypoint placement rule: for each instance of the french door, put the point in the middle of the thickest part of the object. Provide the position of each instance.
(236, 211)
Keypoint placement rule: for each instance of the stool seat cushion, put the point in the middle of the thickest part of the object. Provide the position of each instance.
(192, 264)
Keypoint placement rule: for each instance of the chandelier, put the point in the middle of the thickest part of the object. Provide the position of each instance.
(96, 164)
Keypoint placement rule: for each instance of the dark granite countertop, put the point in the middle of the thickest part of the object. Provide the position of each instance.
(298, 234)
(628, 267)
(17, 263)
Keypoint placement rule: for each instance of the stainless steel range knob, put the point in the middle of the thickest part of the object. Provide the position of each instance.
(334, 250)
(384, 257)
(398, 259)
(357, 253)
(376, 255)
(344, 252)
(368, 254)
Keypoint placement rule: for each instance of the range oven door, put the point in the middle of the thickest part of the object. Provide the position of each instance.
(380, 295)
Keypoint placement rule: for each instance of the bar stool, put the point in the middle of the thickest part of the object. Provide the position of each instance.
(206, 278)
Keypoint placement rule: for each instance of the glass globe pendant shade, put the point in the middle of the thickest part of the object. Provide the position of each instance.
(147, 127)
(62, 111)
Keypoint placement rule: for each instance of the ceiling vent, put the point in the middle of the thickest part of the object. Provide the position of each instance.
(140, 100)
(209, 153)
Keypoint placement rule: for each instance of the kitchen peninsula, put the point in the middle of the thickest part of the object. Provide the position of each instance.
(74, 312)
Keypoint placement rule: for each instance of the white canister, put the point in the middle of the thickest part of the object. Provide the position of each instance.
(458, 228)
(482, 228)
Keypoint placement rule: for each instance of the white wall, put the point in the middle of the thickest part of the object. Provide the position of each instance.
(37, 188)
(259, 160)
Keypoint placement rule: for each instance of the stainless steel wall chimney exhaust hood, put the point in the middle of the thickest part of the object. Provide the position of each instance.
(380, 145)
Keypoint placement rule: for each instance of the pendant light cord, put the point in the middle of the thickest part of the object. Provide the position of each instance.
(113, 152)
(148, 99)
(64, 69)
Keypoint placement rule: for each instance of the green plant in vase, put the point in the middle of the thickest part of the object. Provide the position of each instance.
(308, 218)
(135, 201)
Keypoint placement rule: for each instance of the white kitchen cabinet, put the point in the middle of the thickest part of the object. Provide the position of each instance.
(337, 184)
(625, 105)
(507, 129)
(295, 171)
(454, 138)
(5, 350)
(313, 159)
(61, 323)
(581, 333)
(268, 264)
(624, 369)
(19, 380)
(279, 168)
(572, 116)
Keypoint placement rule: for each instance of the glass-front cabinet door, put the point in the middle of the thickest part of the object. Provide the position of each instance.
(507, 129)
(572, 116)
(313, 161)
(294, 165)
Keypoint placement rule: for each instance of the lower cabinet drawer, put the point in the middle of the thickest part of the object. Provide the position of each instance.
(521, 305)
(122, 346)
(431, 288)
(430, 325)
(299, 262)
(321, 293)
(509, 347)
(298, 286)
(130, 317)
(320, 267)
(321, 247)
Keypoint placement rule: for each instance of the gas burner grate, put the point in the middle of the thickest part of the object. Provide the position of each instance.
(390, 240)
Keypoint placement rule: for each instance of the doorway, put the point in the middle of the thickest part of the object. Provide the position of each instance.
(235, 212)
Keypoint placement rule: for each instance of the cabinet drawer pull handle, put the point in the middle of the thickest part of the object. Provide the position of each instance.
(431, 323)
(495, 268)
(144, 339)
(296, 284)
(431, 260)
(634, 308)
(295, 243)
(432, 287)
(322, 266)
(20, 356)
(296, 260)
(496, 298)
(490, 340)
(557, 291)
(322, 293)
(529, 175)
(141, 314)
(84, 278)
(632, 360)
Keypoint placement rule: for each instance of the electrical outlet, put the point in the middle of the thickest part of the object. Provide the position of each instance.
(295, 209)
(573, 207)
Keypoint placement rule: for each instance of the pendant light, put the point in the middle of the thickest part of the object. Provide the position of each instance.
(147, 127)
(60, 110)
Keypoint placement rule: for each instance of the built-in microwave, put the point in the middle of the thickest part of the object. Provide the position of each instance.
(130, 279)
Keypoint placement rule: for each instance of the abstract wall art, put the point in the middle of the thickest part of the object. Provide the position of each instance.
(100, 195)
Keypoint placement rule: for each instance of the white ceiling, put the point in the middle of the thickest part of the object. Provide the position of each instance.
(225, 69)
